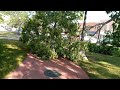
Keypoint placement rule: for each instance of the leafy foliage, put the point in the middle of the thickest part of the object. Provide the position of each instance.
(114, 37)
(1, 18)
(75, 49)
(104, 49)
(111, 43)
(1, 49)
(17, 18)
(43, 33)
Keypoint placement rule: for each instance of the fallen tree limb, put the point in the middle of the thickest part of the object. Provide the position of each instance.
(103, 24)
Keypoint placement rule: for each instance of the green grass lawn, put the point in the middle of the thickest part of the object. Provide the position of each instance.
(97, 66)
(5, 33)
(9, 35)
(11, 55)
(100, 66)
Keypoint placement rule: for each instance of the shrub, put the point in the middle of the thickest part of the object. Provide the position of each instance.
(44, 51)
(92, 47)
(104, 49)
(75, 48)
(53, 54)
(60, 51)
(1, 48)
(116, 51)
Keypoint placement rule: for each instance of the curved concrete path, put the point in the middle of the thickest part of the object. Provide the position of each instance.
(33, 68)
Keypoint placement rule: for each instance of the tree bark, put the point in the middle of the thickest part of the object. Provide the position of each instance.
(84, 25)
(98, 39)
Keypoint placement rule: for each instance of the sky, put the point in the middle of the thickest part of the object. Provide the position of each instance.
(93, 16)
(96, 16)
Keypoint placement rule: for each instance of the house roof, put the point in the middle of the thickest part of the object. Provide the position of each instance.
(108, 26)
(88, 24)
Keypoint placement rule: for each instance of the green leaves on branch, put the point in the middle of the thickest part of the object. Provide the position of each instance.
(43, 33)
(17, 18)
(1, 18)
(114, 36)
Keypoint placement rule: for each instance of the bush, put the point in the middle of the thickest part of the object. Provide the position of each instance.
(104, 49)
(116, 51)
(75, 49)
(42, 49)
(61, 52)
(54, 55)
(1, 48)
(93, 47)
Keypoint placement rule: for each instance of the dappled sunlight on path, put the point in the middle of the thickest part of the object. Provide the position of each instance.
(33, 68)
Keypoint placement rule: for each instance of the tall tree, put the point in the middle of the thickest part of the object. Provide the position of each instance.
(84, 26)
(17, 18)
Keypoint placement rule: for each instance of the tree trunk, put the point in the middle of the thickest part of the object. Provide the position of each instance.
(98, 39)
(84, 25)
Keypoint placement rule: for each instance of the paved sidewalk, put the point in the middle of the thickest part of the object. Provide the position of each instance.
(33, 68)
